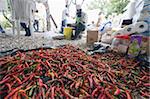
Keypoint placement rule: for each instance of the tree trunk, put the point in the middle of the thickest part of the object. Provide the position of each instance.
(47, 15)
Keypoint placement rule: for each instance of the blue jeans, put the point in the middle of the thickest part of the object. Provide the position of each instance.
(63, 24)
(1, 29)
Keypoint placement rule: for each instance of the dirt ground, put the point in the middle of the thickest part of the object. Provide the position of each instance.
(9, 42)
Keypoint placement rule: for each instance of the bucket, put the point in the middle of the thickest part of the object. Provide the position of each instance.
(68, 33)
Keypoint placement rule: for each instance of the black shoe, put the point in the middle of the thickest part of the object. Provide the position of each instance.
(3, 31)
(72, 38)
(27, 34)
(79, 37)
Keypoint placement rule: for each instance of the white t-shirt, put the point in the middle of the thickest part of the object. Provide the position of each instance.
(65, 14)
(36, 16)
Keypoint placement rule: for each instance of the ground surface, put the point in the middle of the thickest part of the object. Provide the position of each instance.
(9, 42)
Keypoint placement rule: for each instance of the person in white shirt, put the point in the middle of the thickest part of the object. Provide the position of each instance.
(65, 14)
(36, 21)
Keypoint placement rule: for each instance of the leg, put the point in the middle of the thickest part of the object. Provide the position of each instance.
(63, 24)
(1, 29)
(23, 25)
(34, 25)
(78, 29)
(37, 23)
(26, 29)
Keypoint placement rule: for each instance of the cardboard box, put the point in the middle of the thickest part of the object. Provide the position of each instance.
(92, 36)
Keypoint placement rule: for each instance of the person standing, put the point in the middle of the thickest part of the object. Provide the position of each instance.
(36, 21)
(101, 19)
(65, 14)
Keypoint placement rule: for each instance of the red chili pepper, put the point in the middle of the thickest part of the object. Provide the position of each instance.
(12, 92)
(15, 95)
(146, 84)
(143, 78)
(18, 97)
(66, 73)
(145, 94)
(68, 95)
(38, 67)
(41, 83)
(117, 92)
(84, 92)
(108, 95)
(145, 73)
(3, 72)
(18, 80)
(128, 94)
(48, 64)
(4, 80)
(47, 67)
(101, 64)
(138, 84)
(69, 76)
(43, 93)
(9, 86)
(55, 74)
(102, 96)
(27, 88)
(23, 93)
(28, 78)
(77, 84)
(111, 79)
(52, 92)
(39, 95)
(91, 81)
(27, 65)
(47, 93)
(95, 90)
(71, 86)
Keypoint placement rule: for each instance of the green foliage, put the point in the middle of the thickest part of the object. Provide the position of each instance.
(98, 4)
(5, 24)
(108, 6)
(116, 6)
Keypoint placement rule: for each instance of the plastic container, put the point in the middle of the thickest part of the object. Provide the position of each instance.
(68, 32)
(135, 46)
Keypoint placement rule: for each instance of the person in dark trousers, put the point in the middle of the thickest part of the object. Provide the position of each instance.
(80, 24)
(65, 14)
(36, 22)
(1, 29)
(27, 29)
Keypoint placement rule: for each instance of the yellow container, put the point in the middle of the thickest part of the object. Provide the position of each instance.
(68, 33)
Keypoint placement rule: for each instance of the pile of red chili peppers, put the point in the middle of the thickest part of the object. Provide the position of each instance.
(68, 73)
